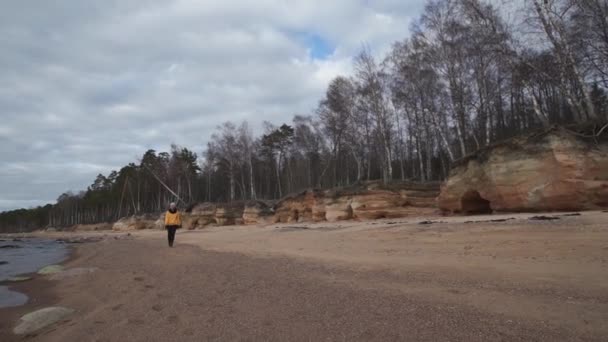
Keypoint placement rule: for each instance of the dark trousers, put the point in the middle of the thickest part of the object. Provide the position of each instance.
(171, 234)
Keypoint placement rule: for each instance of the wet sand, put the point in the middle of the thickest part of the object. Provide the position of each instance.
(517, 280)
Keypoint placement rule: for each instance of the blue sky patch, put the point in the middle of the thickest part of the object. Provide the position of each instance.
(319, 48)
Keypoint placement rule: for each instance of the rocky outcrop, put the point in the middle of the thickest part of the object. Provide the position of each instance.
(201, 215)
(257, 212)
(365, 201)
(553, 170)
(229, 214)
(338, 207)
(301, 207)
(148, 221)
(208, 214)
(378, 204)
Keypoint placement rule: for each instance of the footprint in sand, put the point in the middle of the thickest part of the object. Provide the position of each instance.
(138, 278)
(135, 321)
(117, 307)
(157, 308)
(172, 319)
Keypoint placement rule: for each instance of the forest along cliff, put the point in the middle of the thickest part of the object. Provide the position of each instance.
(554, 170)
(557, 169)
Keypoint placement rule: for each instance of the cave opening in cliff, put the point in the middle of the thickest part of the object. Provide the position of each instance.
(295, 215)
(472, 203)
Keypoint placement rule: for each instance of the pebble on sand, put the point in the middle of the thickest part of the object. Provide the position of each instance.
(50, 269)
(39, 319)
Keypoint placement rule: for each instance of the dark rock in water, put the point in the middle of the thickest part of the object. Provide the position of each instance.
(17, 240)
(543, 218)
(573, 214)
(11, 246)
(3, 262)
(18, 279)
(79, 240)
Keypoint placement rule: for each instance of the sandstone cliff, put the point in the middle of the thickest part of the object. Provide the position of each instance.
(548, 171)
(365, 201)
(147, 221)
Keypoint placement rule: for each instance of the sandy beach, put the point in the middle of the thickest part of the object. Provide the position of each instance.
(389, 280)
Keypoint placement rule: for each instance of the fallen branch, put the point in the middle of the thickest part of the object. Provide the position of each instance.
(165, 185)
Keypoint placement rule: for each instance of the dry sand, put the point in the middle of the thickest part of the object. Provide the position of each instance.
(517, 280)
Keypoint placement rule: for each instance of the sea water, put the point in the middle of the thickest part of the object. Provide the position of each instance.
(27, 255)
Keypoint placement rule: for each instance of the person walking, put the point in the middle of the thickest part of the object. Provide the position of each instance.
(173, 221)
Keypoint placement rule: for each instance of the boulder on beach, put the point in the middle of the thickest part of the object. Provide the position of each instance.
(554, 170)
(50, 269)
(40, 319)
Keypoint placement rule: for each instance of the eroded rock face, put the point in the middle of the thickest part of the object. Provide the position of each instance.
(377, 204)
(147, 221)
(366, 202)
(553, 171)
(299, 207)
(338, 208)
(229, 214)
(257, 212)
(369, 200)
(72, 272)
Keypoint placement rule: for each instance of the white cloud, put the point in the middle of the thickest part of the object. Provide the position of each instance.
(95, 84)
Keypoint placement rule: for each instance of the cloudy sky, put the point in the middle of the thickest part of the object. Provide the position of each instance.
(88, 86)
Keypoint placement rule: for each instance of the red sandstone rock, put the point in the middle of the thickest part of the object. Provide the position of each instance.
(257, 212)
(552, 171)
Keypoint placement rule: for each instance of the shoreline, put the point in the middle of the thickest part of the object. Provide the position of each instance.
(41, 292)
(516, 279)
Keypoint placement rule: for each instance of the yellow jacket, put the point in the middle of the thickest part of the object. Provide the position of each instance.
(173, 219)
